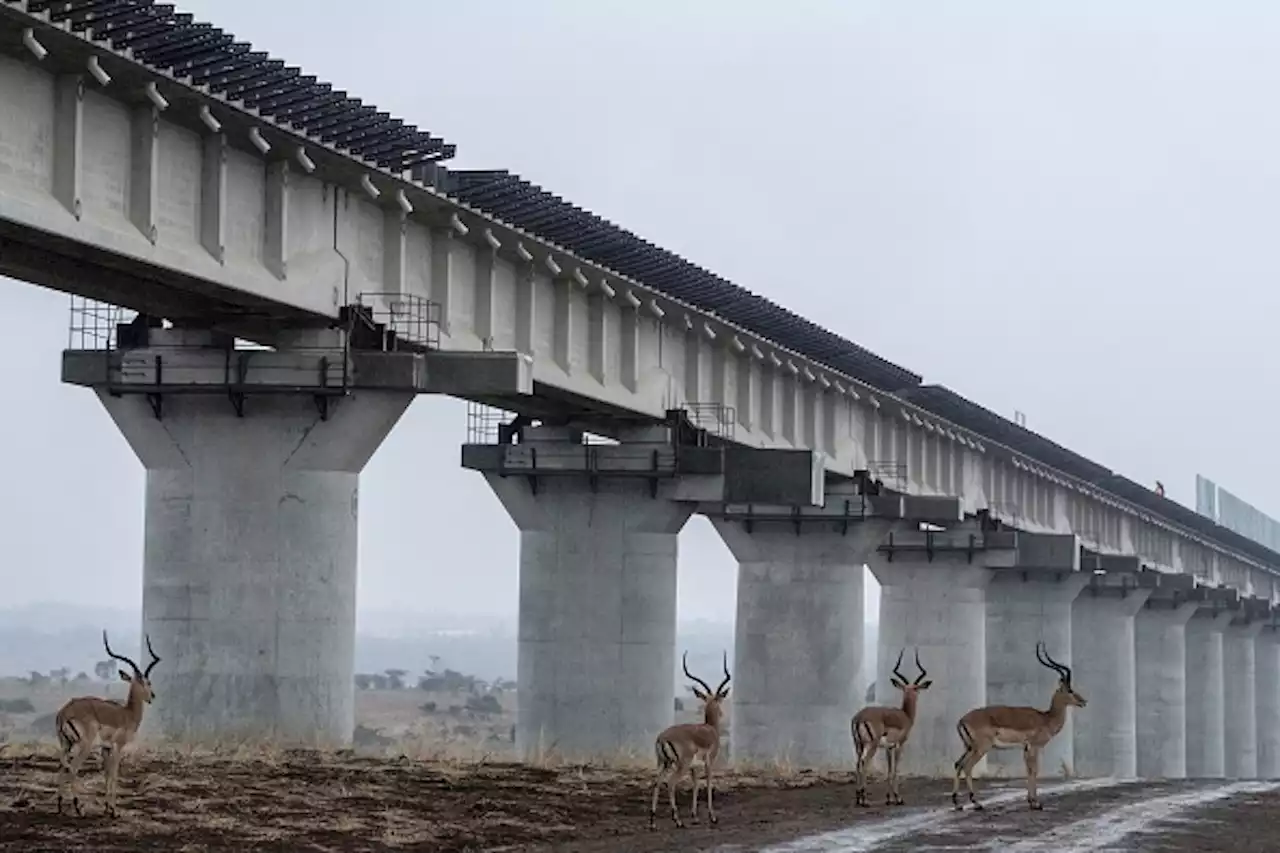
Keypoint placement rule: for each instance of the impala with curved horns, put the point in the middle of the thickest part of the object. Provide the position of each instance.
(679, 747)
(879, 725)
(1013, 726)
(88, 719)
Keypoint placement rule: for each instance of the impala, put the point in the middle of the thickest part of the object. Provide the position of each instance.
(88, 719)
(878, 725)
(680, 747)
(1009, 727)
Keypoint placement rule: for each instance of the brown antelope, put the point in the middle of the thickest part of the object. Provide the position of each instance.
(88, 719)
(879, 725)
(1009, 727)
(679, 747)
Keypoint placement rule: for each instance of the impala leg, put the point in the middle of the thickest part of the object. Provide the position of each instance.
(895, 783)
(653, 804)
(70, 775)
(671, 794)
(710, 774)
(866, 754)
(975, 755)
(64, 773)
(111, 760)
(110, 757)
(890, 765)
(1031, 755)
(693, 774)
(955, 783)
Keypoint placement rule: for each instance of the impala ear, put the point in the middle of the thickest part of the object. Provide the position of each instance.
(924, 685)
(124, 676)
(898, 684)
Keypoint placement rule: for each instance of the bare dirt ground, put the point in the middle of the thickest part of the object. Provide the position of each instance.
(306, 801)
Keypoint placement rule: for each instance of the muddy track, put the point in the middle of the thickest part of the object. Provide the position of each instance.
(312, 802)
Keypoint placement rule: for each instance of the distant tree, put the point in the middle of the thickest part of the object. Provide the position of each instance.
(60, 674)
(363, 680)
(17, 706)
(36, 678)
(102, 669)
(81, 677)
(379, 681)
(435, 664)
(679, 704)
(395, 678)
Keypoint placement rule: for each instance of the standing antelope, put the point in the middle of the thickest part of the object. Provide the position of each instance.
(878, 725)
(678, 747)
(1009, 727)
(86, 719)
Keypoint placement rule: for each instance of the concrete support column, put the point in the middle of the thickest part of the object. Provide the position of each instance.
(1267, 688)
(939, 607)
(249, 574)
(1024, 608)
(798, 647)
(1103, 650)
(596, 654)
(1160, 644)
(1240, 720)
(1206, 733)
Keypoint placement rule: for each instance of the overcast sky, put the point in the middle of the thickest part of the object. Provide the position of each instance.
(1066, 209)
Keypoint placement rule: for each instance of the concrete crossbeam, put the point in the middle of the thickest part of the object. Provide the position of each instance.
(675, 472)
(191, 369)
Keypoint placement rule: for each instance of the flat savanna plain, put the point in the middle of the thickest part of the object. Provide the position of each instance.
(314, 801)
(428, 774)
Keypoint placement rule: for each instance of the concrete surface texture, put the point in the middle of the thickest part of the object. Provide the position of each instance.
(1267, 697)
(1102, 646)
(249, 578)
(1240, 731)
(1206, 742)
(940, 608)
(1160, 643)
(597, 615)
(1022, 610)
(799, 640)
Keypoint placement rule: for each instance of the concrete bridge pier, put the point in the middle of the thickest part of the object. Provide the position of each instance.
(933, 590)
(1026, 604)
(1160, 645)
(599, 527)
(1102, 639)
(1206, 732)
(249, 569)
(1240, 712)
(597, 614)
(253, 461)
(798, 647)
(1267, 688)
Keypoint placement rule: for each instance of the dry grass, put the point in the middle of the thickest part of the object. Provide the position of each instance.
(248, 797)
